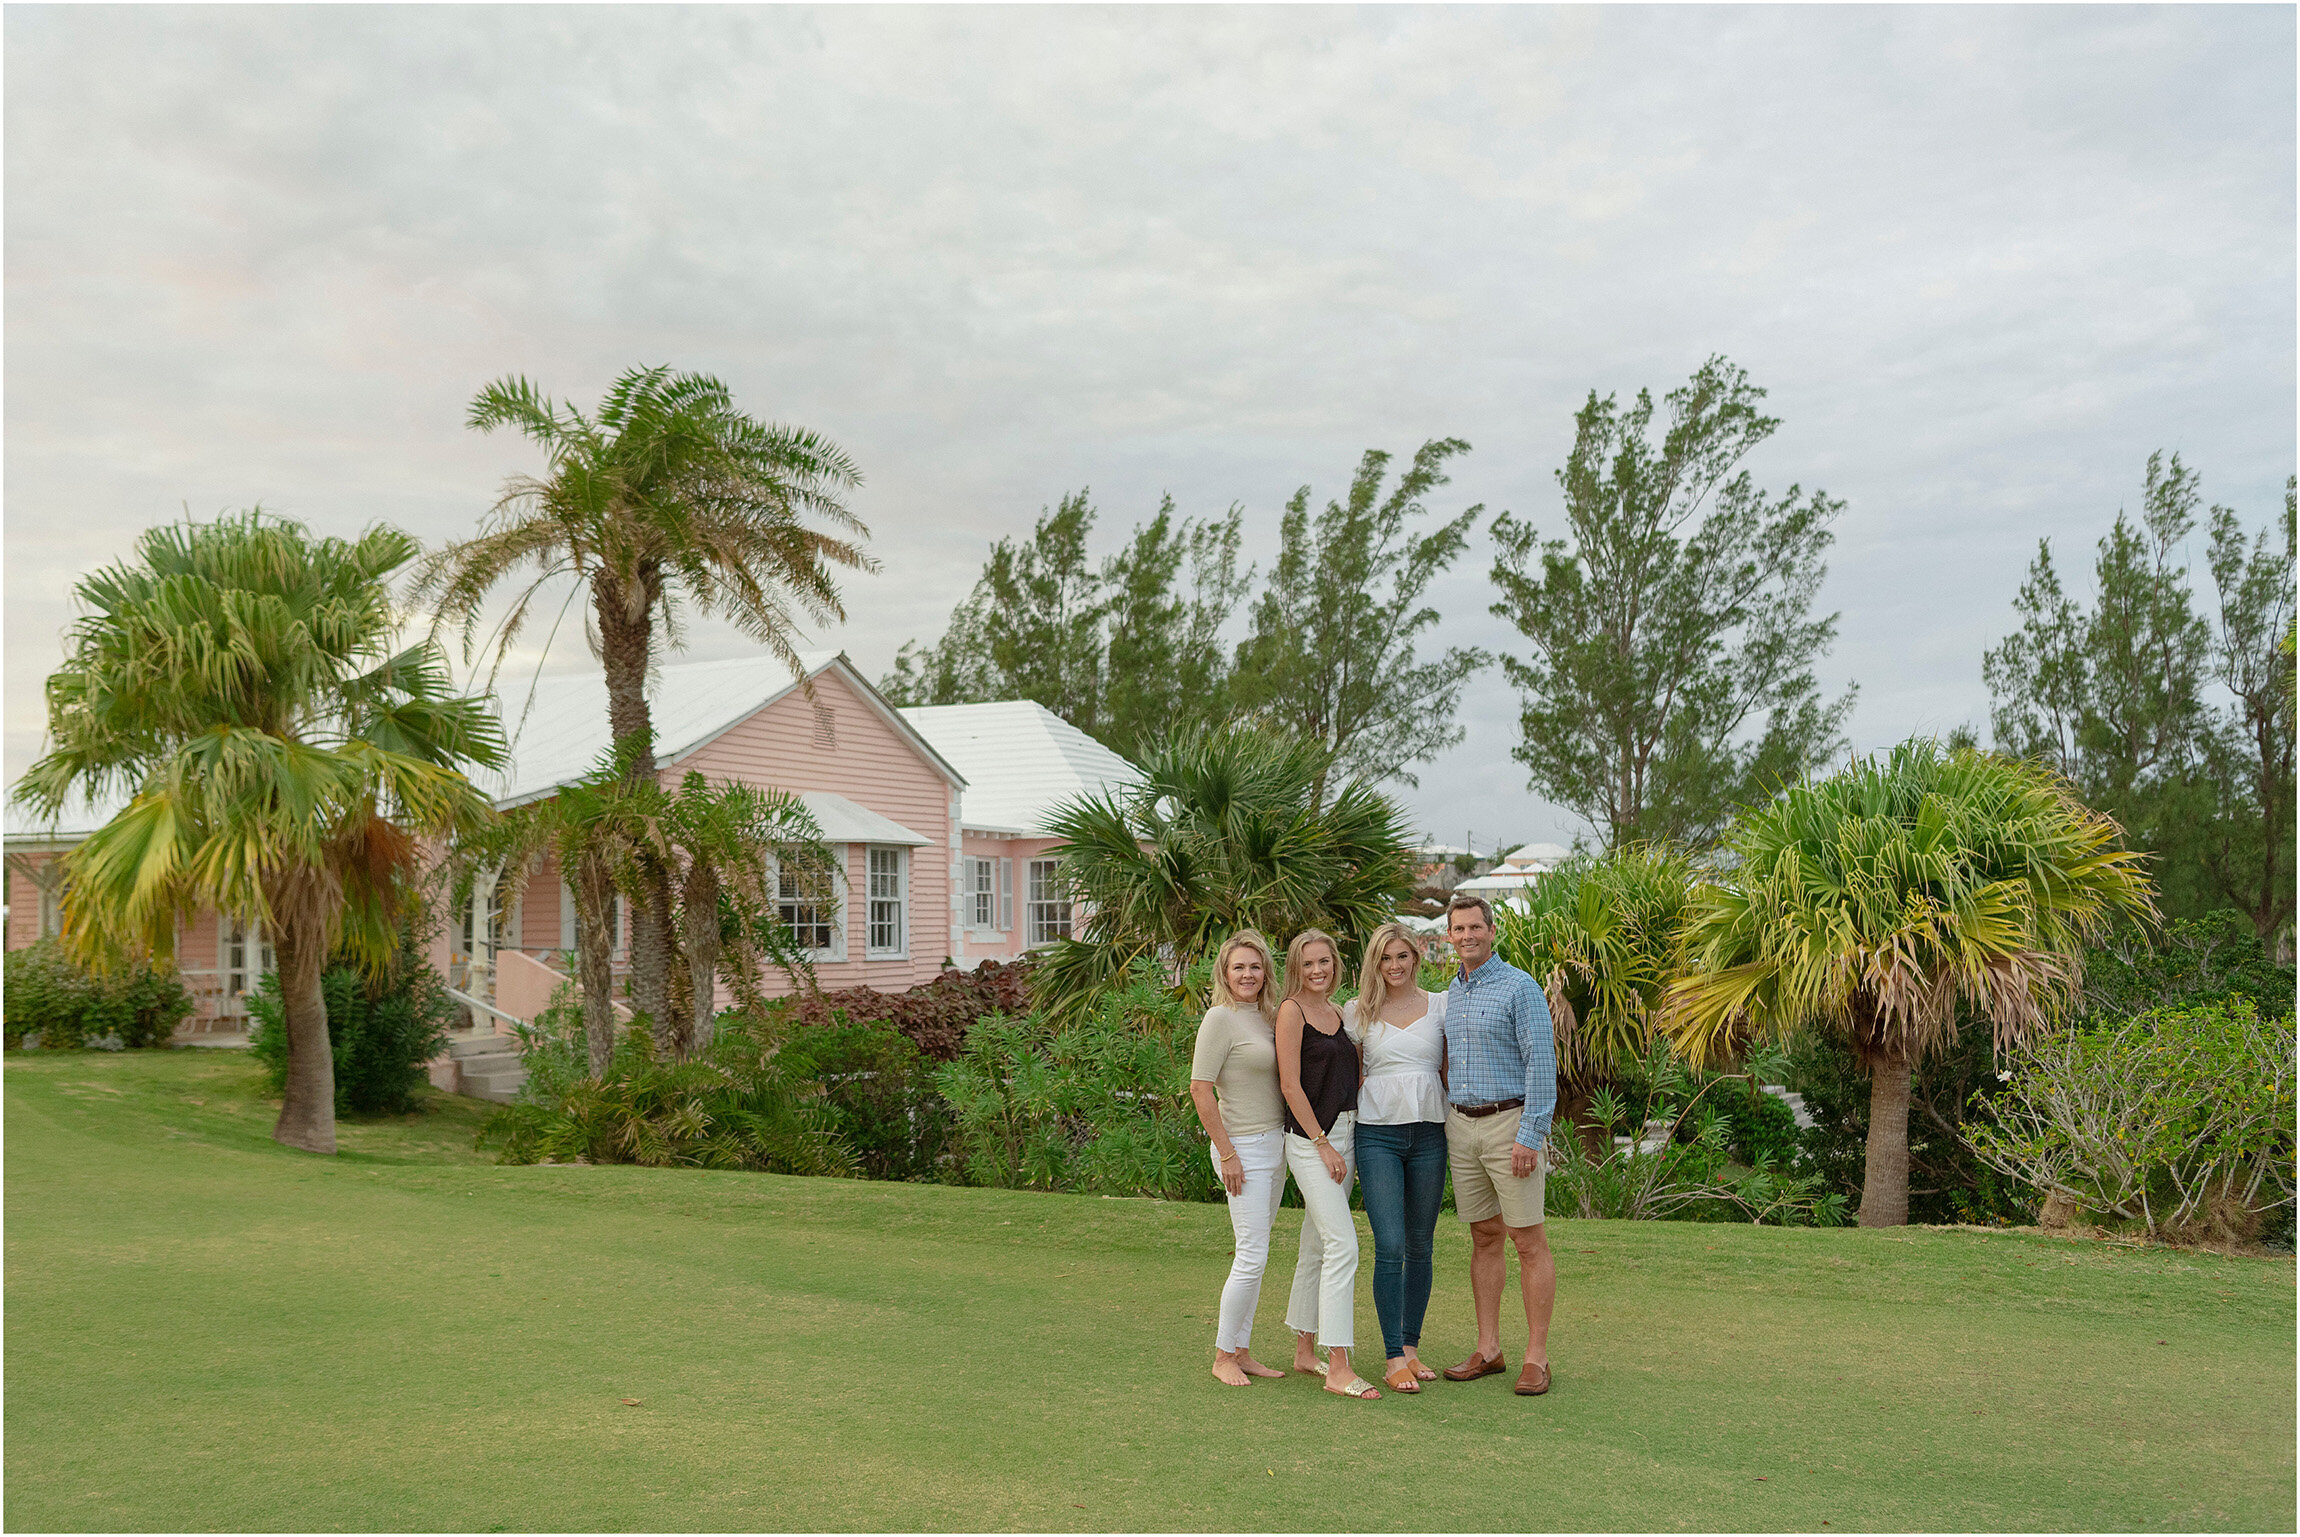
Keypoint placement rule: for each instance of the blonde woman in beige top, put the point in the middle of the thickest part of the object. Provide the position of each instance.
(1234, 1084)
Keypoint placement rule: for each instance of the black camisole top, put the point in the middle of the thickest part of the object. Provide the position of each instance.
(1329, 1078)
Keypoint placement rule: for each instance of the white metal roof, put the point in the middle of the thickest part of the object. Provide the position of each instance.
(562, 734)
(1020, 759)
(79, 818)
(842, 821)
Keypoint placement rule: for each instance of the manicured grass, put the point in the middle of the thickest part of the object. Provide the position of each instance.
(208, 1332)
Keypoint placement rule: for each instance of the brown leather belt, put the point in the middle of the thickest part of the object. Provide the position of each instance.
(1478, 1112)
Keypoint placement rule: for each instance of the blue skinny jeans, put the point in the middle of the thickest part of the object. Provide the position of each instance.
(1401, 1170)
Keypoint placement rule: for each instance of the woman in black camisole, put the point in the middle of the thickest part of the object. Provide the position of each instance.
(1318, 1079)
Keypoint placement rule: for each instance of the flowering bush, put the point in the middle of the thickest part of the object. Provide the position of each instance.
(2179, 1119)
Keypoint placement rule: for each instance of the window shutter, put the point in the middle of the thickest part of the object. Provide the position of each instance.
(566, 917)
(1006, 895)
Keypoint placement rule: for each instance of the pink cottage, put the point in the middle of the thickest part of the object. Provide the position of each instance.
(937, 816)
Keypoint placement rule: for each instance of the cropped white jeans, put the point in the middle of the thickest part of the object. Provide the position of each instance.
(1252, 1210)
(1325, 1296)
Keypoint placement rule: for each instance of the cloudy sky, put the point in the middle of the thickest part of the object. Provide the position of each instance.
(1984, 258)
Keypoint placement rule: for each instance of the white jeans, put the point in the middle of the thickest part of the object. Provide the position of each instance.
(1252, 1210)
(1325, 1296)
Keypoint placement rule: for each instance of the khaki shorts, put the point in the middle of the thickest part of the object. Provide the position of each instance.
(1478, 1150)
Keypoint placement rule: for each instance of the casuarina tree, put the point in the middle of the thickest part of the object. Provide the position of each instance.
(1673, 640)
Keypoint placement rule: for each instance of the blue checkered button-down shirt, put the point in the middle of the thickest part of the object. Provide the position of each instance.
(1499, 1044)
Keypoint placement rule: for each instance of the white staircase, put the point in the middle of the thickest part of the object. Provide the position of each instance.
(487, 1066)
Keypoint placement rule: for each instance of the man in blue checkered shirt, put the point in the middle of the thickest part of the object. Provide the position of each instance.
(1501, 1088)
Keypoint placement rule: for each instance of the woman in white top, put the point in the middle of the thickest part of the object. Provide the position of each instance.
(1234, 1084)
(1400, 1139)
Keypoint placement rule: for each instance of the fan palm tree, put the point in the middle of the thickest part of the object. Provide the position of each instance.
(1874, 903)
(1601, 935)
(665, 498)
(239, 679)
(1225, 831)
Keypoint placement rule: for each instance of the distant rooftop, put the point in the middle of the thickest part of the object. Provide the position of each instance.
(1020, 759)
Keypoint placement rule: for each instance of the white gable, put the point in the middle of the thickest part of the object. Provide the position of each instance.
(1020, 759)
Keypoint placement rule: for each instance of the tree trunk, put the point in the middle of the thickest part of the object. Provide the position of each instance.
(595, 957)
(701, 924)
(1885, 1181)
(626, 629)
(307, 1110)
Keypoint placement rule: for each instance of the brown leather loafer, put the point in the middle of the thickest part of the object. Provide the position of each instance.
(1533, 1381)
(1474, 1368)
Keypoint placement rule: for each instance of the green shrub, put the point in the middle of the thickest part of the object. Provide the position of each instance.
(2179, 1120)
(2194, 960)
(1102, 1106)
(1700, 1147)
(734, 1107)
(64, 1006)
(880, 1088)
(383, 1028)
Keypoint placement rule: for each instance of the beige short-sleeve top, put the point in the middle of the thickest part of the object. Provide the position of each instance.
(1237, 1053)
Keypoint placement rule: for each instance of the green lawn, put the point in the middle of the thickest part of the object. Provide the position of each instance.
(208, 1332)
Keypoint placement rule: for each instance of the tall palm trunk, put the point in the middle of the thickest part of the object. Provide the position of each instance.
(626, 630)
(307, 1109)
(594, 956)
(700, 925)
(1885, 1180)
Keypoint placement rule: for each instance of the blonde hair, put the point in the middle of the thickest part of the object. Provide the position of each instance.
(1373, 988)
(1295, 951)
(1246, 939)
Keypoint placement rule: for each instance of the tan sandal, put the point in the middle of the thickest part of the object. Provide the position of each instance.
(1402, 1379)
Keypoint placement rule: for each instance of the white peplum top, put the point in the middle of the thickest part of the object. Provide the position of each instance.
(1402, 1083)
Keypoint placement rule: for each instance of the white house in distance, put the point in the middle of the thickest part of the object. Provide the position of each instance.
(1021, 761)
(1516, 874)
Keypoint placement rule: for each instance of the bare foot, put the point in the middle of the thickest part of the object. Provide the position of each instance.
(1306, 1354)
(1252, 1367)
(1422, 1371)
(1226, 1371)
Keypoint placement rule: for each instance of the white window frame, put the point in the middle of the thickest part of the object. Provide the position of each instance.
(1042, 928)
(981, 894)
(837, 949)
(256, 958)
(898, 858)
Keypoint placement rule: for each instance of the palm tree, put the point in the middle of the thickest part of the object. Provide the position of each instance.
(239, 679)
(1601, 935)
(590, 828)
(1873, 903)
(727, 845)
(666, 498)
(1225, 831)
